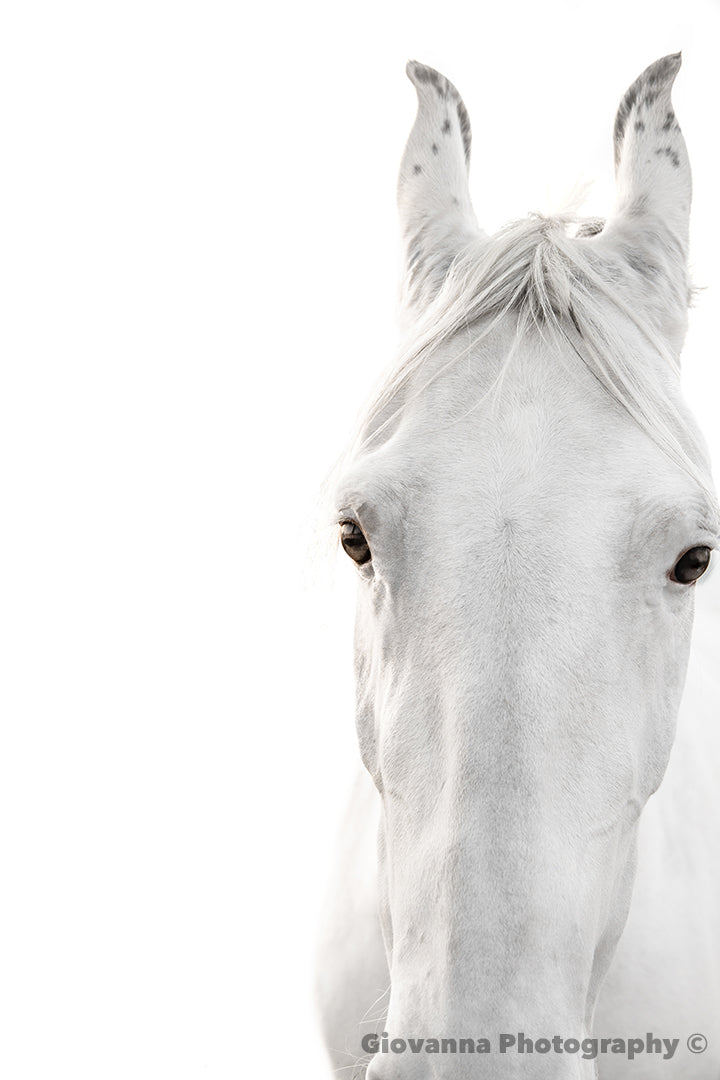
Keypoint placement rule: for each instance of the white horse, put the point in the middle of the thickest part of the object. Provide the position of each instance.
(529, 506)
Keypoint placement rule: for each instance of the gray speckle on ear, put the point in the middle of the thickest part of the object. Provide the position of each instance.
(639, 125)
(422, 75)
(623, 114)
(670, 153)
(435, 148)
(644, 92)
(464, 126)
(417, 169)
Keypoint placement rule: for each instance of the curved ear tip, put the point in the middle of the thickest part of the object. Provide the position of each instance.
(664, 69)
(655, 81)
(421, 75)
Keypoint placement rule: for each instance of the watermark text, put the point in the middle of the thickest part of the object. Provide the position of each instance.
(520, 1043)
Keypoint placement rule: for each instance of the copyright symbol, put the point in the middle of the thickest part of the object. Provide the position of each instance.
(697, 1044)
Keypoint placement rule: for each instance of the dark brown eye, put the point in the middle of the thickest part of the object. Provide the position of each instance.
(353, 541)
(691, 565)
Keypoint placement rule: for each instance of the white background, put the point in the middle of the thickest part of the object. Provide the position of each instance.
(198, 253)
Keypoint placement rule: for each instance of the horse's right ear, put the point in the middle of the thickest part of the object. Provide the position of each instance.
(436, 216)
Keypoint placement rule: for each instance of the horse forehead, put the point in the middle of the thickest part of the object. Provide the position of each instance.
(520, 428)
(535, 432)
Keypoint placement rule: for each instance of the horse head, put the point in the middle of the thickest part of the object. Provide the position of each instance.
(528, 505)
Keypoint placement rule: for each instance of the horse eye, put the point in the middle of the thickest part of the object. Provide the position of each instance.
(691, 565)
(353, 541)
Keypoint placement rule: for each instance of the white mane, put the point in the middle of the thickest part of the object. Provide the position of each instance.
(565, 288)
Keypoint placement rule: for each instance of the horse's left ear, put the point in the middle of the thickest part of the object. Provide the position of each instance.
(436, 215)
(651, 220)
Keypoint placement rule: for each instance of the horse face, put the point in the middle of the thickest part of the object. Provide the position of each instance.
(527, 554)
(520, 654)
